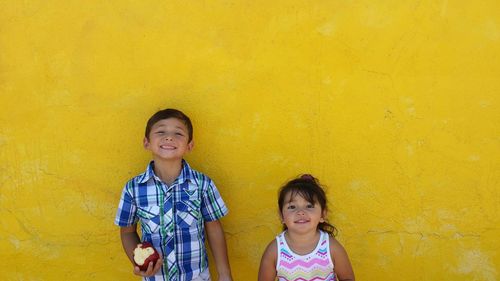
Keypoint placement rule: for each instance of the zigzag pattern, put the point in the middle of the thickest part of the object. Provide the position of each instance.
(315, 266)
(321, 252)
(329, 277)
(304, 264)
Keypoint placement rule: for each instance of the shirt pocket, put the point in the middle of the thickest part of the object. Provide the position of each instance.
(188, 213)
(150, 218)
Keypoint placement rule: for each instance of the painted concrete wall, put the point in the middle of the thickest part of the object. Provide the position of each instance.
(393, 105)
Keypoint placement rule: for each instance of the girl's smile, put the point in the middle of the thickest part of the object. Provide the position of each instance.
(300, 215)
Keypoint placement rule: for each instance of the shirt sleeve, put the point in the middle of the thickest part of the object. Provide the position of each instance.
(126, 214)
(213, 207)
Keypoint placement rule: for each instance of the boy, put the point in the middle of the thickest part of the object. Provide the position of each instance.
(175, 205)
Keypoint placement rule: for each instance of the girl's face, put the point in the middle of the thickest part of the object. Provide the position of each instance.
(300, 215)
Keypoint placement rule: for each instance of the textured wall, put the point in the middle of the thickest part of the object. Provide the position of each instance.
(394, 105)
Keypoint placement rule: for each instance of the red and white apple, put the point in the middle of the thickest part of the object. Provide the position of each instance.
(145, 253)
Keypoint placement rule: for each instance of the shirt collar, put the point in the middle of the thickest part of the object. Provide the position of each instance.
(187, 174)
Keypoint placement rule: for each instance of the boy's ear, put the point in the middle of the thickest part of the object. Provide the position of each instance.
(145, 142)
(190, 145)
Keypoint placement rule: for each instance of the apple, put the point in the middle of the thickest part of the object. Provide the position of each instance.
(145, 253)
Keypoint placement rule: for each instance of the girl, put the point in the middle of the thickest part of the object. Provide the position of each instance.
(306, 249)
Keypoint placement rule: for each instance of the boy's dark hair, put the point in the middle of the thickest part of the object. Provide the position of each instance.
(166, 114)
(309, 188)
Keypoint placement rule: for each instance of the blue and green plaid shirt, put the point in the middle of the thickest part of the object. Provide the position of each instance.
(172, 218)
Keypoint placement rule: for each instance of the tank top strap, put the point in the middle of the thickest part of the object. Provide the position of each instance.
(323, 249)
(281, 246)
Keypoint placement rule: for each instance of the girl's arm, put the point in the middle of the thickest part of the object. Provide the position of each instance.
(343, 267)
(267, 269)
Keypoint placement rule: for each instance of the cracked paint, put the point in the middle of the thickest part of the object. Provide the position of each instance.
(394, 106)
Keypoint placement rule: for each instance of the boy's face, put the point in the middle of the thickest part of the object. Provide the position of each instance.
(168, 140)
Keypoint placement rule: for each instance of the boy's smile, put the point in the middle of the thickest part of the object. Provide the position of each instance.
(168, 147)
(168, 140)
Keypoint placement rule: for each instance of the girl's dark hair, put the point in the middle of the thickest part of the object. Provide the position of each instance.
(310, 189)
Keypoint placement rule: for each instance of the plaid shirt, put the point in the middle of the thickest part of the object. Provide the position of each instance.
(177, 231)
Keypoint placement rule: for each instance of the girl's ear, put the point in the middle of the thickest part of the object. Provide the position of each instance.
(323, 216)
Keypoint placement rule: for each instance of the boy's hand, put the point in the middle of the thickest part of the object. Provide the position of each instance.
(151, 270)
(225, 278)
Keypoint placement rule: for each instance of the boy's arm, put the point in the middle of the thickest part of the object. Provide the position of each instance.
(217, 242)
(267, 269)
(130, 239)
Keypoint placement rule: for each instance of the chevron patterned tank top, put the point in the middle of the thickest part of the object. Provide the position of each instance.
(315, 266)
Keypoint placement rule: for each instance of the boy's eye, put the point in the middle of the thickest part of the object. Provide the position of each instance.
(291, 207)
(179, 134)
(159, 132)
(310, 206)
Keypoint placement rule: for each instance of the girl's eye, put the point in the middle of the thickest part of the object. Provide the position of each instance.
(310, 206)
(179, 134)
(291, 207)
(159, 132)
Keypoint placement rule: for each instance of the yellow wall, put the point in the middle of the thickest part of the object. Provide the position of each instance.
(394, 105)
